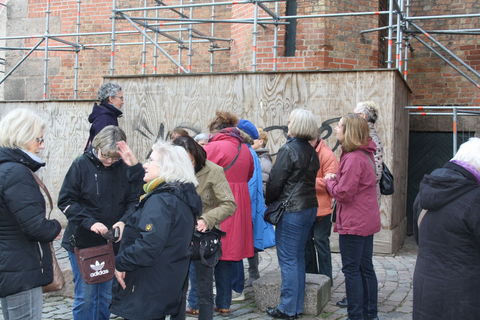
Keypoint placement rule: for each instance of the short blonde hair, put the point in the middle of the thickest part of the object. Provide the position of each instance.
(263, 135)
(106, 140)
(19, 127)
(302, 124)
(174, 163)
(355, 132)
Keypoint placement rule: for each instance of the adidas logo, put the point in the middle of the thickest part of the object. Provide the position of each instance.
(97, 267)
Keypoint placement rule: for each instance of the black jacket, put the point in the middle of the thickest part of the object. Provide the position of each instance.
(155, 253)
(447, 273)
(102, 115)
(25, 256)
(93, 193)
(296, 161)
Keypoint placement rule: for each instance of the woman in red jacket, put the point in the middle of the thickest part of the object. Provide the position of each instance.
(358, 218)
(226, 148)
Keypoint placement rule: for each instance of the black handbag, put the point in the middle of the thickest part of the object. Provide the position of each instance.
(274, 212)
(206, 246)
(386, 181)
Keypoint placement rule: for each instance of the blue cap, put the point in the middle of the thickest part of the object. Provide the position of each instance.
(248, 128)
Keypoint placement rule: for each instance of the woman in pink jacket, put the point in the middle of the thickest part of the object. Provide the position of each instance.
(354, 188)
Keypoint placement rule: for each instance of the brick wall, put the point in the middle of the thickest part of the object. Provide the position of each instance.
(434, 82)
(321, 43)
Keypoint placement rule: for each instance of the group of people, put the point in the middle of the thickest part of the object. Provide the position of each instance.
(224, 181)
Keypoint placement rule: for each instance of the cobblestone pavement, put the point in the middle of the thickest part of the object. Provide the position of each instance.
(394, 274)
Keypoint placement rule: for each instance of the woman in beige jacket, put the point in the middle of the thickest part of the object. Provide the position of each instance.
(218, 204)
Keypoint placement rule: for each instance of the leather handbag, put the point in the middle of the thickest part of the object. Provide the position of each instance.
(58, 280)
(207, 246)
(386, 181)
(96, 264)
(275, 211)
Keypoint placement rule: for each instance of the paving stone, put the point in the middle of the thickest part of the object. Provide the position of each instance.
(394, 275)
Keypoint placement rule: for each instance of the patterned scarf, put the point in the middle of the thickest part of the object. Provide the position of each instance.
(150, 186)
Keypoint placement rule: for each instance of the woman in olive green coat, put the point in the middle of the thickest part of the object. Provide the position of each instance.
(218, 204)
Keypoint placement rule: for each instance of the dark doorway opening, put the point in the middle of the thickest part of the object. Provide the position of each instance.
(427, 151)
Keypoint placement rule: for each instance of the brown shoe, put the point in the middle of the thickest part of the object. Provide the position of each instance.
(222, 310)
(193, 312)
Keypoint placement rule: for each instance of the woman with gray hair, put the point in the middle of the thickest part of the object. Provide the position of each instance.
(447, 230)
(25, 256)
(106, 113)
(152, 264)
(292, 180)
(368, 110)
(97, 195)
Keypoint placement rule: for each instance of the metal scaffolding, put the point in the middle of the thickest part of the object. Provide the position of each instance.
(453, 111)
(160, 29)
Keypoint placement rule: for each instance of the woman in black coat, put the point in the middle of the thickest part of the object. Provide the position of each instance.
(96, 195)
(447, 273)
(292, 180)
(152, 264)
(25, 233)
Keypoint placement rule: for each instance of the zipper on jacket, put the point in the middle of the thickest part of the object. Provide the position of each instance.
(133, 288)
(41, 255)
(96, 183)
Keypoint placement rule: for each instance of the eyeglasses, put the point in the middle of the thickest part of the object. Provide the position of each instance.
(119, 97)
(40, 140)
(108, 157)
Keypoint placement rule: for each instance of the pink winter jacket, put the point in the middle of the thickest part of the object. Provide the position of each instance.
(355, 189)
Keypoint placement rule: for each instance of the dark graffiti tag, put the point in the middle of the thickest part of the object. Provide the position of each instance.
(142, 128)
(325, 130)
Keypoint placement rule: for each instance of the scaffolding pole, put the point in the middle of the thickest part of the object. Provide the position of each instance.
(45, 65)
(438, 54)
(275, 39)
(144, 44)
(112, 39)
(77, 51)
(21, 60)
(212, 34)
(254, 37)
(165, 53)
(456, 111)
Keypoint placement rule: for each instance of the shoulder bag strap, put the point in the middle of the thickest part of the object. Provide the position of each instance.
(234, 159)
(45, 190)
(421, 216)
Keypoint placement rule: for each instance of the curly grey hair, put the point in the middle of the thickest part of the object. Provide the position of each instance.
(369, 109)
(108, 90)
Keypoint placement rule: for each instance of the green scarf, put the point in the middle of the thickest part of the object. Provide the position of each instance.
(150, 186)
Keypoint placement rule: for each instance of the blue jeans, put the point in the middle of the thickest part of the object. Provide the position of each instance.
(24, 305)
(223, 282)
(360, 278)
(238, 279)
(291, 237)
(91, 301)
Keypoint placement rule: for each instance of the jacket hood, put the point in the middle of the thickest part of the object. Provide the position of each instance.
(371, 147)
(17, 155)
(185, 192)
(231, 133)
(445, 185)
(104, 109)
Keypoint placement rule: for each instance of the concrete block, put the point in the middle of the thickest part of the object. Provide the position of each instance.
(317, 292)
